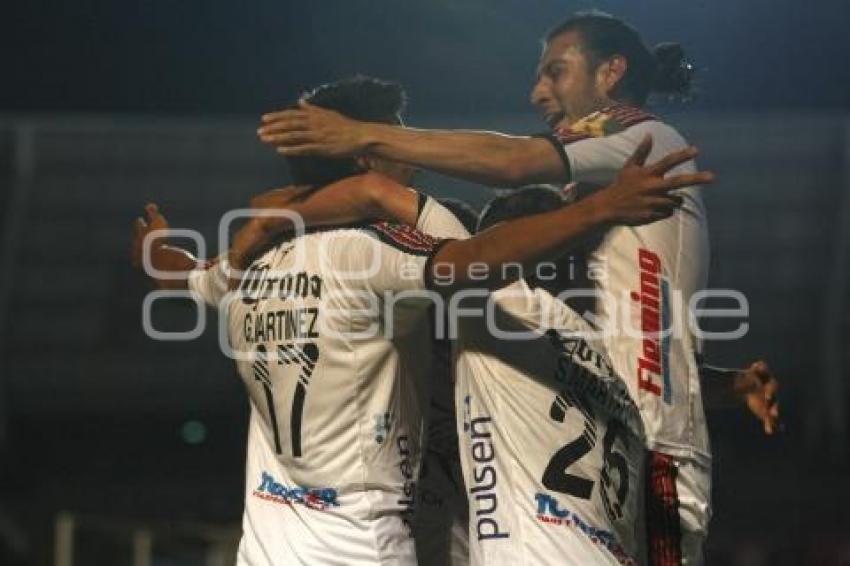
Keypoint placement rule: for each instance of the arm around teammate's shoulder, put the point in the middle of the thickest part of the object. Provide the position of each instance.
(488, 158)
(351, 200)
(484, 157)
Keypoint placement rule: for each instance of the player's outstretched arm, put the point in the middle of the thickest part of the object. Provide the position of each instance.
(483, 157)
(639, 195)
(353, 199)
(755, 386)
(151, 231)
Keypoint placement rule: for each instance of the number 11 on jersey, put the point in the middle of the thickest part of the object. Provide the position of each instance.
(299, 356)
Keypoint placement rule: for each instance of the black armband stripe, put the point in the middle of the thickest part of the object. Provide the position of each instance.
(562, 152)
(421, 201)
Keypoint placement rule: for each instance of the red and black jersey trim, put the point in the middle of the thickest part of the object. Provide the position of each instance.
(405, 238)
(628, 115)
(663, 525)
(566, 136)
(605, 122)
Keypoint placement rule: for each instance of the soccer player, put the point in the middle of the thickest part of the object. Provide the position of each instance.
(334, 440)
(599, 74)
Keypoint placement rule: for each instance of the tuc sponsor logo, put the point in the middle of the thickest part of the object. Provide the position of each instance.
(550, 511)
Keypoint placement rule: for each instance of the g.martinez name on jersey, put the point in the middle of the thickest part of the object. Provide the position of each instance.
(261, 284)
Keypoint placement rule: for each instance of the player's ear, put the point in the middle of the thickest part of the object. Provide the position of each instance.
(611, 72)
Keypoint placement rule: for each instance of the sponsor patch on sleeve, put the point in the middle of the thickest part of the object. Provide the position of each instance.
(603, 123)
(405, 238)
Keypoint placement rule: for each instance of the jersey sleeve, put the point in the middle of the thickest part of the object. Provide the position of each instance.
(402, 258)
(209, 284)
(596, 148)
(436, 220)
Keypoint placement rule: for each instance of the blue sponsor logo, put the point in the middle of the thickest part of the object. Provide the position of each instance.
(313, 498)
(383, 424)
(550, 511)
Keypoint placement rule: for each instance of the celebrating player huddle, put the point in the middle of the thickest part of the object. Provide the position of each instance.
(381, 343)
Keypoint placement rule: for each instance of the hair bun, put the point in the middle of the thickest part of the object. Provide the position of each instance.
(673, 72)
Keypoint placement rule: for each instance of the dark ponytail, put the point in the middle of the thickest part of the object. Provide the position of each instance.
(663, 70)
(673, 72)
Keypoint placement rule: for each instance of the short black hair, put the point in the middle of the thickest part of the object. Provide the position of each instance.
(363, 98)
(513, 204)
(664, 69)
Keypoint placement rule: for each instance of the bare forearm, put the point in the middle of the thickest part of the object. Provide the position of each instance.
(355, 199)
(358, 199)
(482, 157)
(526, 241)
(176, 263)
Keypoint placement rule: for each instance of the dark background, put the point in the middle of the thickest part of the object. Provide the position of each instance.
(106, 105)
(216, 57)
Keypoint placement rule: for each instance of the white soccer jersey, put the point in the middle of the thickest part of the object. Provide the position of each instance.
(337, 396)
(550, 443)
(646, 275)
(209, 284)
